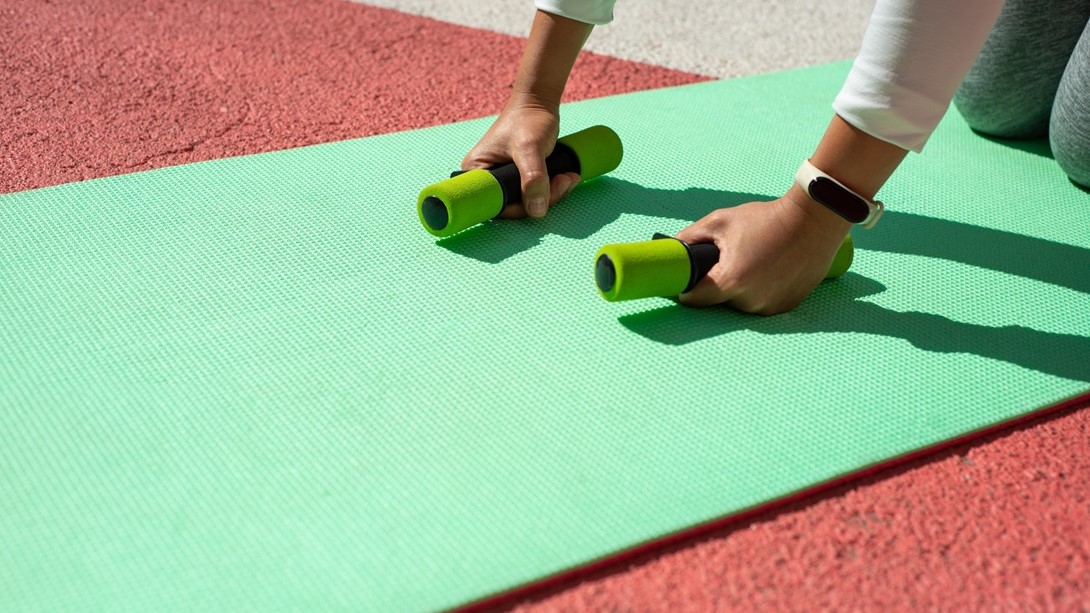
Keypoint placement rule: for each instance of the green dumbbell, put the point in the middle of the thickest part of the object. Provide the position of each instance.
(475, 196)
(666, 266)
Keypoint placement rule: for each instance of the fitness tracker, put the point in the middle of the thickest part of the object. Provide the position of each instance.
(838, 198)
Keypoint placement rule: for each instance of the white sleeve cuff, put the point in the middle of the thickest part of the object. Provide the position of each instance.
(914, 56)
(888, 111)
(594, 12)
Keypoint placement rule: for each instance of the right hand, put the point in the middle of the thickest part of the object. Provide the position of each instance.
(771, 254)
(525, 133)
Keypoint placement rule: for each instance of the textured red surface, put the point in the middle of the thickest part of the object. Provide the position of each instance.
(995, 522)
(90, 89)
(95, 89)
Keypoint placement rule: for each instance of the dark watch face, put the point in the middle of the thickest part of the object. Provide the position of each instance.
(846, 204)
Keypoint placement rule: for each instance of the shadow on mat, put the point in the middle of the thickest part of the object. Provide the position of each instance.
(1016, 254)
(905, 233)
(908, 233)
(1062, 355)
(583, 214)
(1037, 146)
(1059, 264)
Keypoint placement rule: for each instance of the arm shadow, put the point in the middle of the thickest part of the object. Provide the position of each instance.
(590, 208)
(1060, 264)
(836, 307)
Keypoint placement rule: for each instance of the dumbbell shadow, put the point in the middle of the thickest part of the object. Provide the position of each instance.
(587, 210)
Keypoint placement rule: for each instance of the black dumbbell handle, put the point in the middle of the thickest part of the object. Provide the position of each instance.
(562, 159)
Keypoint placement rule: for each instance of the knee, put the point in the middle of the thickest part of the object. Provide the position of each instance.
(1069, 127)
(988, 114)
(1074, 158)
(1001, 107)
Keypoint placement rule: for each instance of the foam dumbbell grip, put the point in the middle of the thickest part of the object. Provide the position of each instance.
(665, 266)
(475, 196)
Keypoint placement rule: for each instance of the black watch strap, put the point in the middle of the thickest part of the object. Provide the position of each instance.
(837, 197)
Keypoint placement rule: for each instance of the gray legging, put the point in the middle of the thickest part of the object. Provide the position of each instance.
(1033, 78)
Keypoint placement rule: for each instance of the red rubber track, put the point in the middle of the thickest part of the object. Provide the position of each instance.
(91, 89)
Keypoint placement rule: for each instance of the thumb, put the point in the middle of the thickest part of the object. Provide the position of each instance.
(535, 179)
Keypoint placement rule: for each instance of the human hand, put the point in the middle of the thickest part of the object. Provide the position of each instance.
(525, 133)
(771, 254)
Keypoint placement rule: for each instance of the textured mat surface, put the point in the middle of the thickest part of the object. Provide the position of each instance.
(257, 382)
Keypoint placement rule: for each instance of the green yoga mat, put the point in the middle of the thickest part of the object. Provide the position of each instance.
(258, 383)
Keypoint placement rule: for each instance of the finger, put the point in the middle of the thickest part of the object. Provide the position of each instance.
(513, 211)
(710, 290)
(486, 154)
(475, 159)
(535, 180)
(704, 230)
(746, 304)
(561, 186)
(575, 180)
(473, 164)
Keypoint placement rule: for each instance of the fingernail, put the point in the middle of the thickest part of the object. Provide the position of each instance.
(538, 206)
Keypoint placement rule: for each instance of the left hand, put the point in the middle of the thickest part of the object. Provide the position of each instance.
(771, 254)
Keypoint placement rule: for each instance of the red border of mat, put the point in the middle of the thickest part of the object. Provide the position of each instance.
(569, 577)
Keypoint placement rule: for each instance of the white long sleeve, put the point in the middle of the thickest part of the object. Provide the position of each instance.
(595, 12)
(914, 55)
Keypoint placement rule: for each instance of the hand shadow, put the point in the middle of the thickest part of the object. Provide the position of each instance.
(588, 209)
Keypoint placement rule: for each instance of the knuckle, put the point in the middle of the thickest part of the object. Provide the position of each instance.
(533, 175)
(534, 181)
(727, 278)
(527, 144)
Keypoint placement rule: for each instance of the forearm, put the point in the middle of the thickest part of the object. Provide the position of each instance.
(855, 158)
(550, 54)
(860, 161)
(914, 55)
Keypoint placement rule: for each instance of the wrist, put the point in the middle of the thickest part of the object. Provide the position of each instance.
(859, 161)
(530, 99)
(550, 54)
(819, 218)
